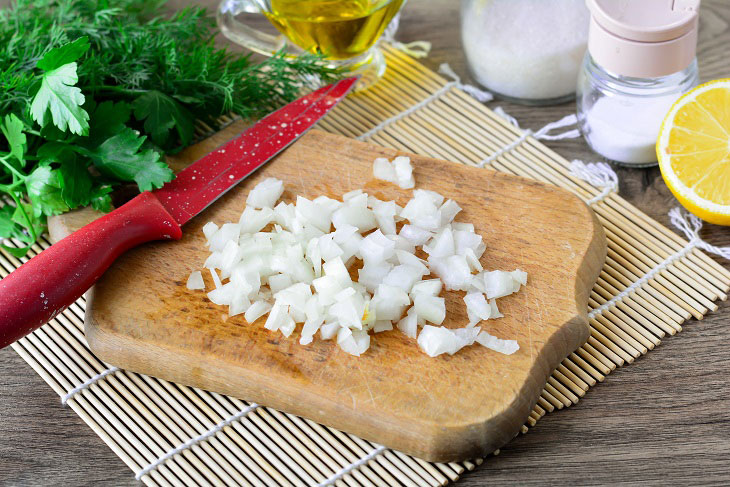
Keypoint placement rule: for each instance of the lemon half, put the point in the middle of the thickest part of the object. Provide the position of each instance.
(693, 150)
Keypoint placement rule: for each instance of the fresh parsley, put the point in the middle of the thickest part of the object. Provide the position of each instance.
(93, 94)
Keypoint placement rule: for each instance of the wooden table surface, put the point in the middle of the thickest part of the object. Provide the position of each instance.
(662, 420)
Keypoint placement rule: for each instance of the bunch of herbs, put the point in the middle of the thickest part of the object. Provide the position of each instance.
(94, 93)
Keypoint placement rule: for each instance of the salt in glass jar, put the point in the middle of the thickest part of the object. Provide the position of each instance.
(526, 51)
(640, 60)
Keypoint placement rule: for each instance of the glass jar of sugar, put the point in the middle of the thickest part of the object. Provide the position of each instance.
(526, 51)
(640, 60)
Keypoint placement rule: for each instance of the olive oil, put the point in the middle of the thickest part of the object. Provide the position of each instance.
(338, 29)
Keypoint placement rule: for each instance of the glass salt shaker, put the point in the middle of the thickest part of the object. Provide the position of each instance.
(525, 51)
(640, 60)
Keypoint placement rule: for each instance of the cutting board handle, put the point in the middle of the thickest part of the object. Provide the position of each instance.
(49, 282)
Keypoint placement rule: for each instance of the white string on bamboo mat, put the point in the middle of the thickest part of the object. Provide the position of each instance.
(598, 174)
(688, 224)
(87, 383)
(353, 466)
(194, 441)
(480, 95)
(415, 49)
(542, 134)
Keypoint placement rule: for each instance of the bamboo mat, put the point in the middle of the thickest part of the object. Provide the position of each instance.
(170, 434)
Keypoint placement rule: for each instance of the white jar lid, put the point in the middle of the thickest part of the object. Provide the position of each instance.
(643, 38)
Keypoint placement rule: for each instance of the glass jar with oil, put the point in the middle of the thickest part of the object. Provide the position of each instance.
(344, 31)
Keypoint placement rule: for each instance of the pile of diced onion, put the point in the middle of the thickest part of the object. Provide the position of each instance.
(284, 260)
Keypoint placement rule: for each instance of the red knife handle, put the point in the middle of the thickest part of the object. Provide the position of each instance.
(48, 283)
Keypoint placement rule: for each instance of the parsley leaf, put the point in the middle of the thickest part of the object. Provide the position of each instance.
(16, 252)
(53, 151)
(62, 99)
(12, 128)
(119, 157)
(44, 192)
(162, 114)
(8, 227)
(75, 182)
(67, 53)
(108, 119)
(100, 199)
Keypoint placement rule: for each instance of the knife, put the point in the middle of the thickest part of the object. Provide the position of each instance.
(49, 282)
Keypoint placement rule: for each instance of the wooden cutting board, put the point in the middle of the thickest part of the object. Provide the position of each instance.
(141, 317)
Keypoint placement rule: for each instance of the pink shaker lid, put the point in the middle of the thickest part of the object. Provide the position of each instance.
(643, 38)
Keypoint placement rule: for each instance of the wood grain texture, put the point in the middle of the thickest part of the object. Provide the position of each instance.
(141, 317)
(660, 421)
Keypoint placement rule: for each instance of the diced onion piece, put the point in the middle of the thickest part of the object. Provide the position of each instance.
(349, 240)
(389, 302)
(461, 226)
(349, 310)
(358, 216)
(382, 325)
(216, 279)
(404, 276)
(454, 271)
(336, 268)
(355, 194)
(507, 347)
(449, 210)
(435, 340)
(195, 281)
(221, 295)
(328, 249)
(404, 172)
(329, 330)
(495, 311)
(467, 240)
(252, 220)
(354, 342)
(466, 336)
(314, 214)
(256, 310)
(239, 304)
(385, 212)
(430, 308)
(442, 245)
(430, 287)
(226, 233)
(520, 278)
(294, 296)
(478, 307)
(278, 282)
(473, 261)
(409, 324)
(277, 317)
(498, 284)
(284, 214)
(288, 326)
(266, 193)
(376, 247)
(309, 329)
(417, 236)
(327, 204)
(435, 197)
(422, 212)
(409, 258)
(209, 230)
(383, 170)
(372, 274)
